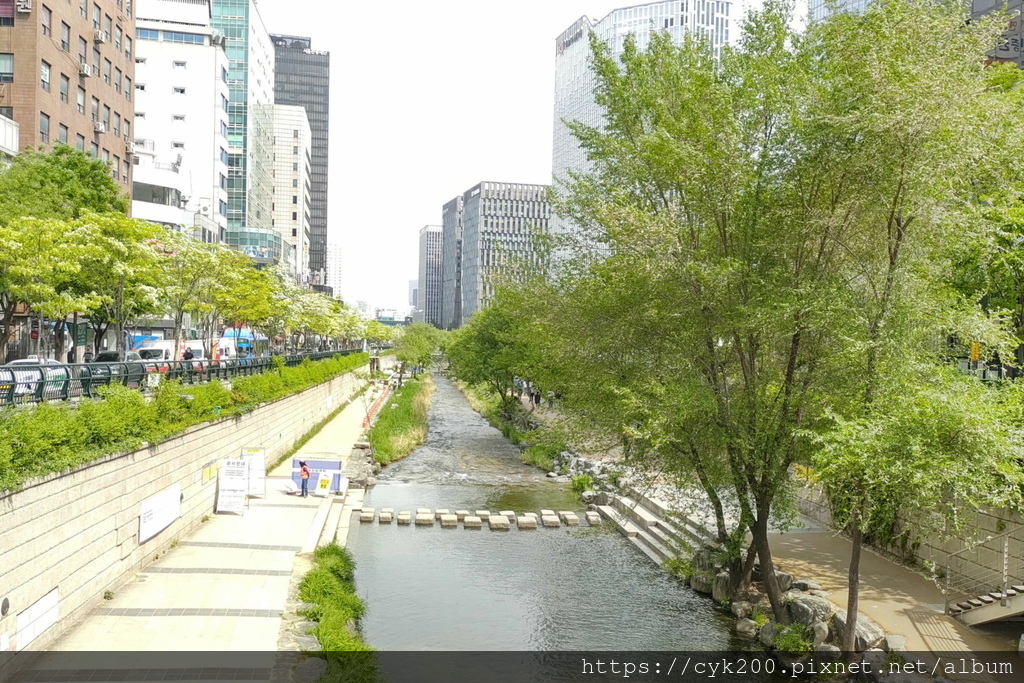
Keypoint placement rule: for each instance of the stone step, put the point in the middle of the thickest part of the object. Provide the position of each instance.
(623, 525)
(643, 517)
(685, 528)
(646, 550)
(660, 550)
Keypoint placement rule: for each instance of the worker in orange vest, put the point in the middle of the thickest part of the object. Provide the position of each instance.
(304, 475)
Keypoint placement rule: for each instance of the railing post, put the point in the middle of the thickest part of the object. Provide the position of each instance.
(945, 591)
(1006, 568)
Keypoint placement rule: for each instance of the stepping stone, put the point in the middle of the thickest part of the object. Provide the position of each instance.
(986, 599)
(550, 521)
(531, 514)
(975, 602)
(424, 520)
(498, 523)
(424, 511)
(483, 514)
(405, 517)
(965, 605)
(442, 511)
(462, 514)
(547, 513)
(593, 518)
(508, 513)
(390, 510)
(367, 515)
(569, 518)
(525, 522)
(385, 517)
(449, 521)
(472, 522)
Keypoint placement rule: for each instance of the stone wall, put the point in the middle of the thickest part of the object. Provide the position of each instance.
(78, 532)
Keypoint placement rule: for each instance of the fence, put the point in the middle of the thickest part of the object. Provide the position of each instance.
(986, 567)
(58, 382)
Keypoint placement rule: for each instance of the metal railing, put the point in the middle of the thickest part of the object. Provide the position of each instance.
(987, 567)
(21, 384)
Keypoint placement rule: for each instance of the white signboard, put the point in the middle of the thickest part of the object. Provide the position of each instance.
(41, 615)
(158, 512)
(257, 459)
(232, 485)
(323, 484)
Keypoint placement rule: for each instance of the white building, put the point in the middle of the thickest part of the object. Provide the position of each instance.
(292, 183)
(181, 86)
(334, 268)
(574, 79)
(8, 139)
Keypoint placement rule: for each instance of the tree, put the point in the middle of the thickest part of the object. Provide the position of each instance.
(417, 346)
(190, 267)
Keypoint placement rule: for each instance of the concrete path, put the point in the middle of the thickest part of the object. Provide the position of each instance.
(225, 587)
(900, 600)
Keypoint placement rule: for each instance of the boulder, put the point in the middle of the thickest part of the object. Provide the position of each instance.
(593, 518)
(806, 585)
(868, 634)
(552, 475)
(588, 496)
(767, 634)
(746, 628)
(310, 670)
(807, 609)
(704, 561)
(741, 609)
(898, 643)
(371, 482)
(701, 583)
(561, 480)
(307, 643)
(757, 574)
(820, 593)
(721, 588)
(603, 498)
(785, 580)
(819, 631)
(826, 651)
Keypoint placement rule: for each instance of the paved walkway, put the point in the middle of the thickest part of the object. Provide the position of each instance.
(222, 589)
(900, 600)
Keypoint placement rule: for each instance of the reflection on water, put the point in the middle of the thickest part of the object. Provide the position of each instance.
(548, 589)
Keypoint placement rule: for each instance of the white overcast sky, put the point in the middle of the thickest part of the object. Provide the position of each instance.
(427, 99)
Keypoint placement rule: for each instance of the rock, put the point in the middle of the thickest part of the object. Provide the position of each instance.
(561, 480)
(867, 635)
(785, 580)
(767, 634)
(1020, 645)
(826, 651)
(877, 657)
(449, 521)
(721, 588)
(405, 517)
(552, 475)
(304, 627)
(483, 514)
(746, 627)
(385, 517)
(820, 593)
(704, 561)
(550, 521)
(807, 609)
(424, 520)
(819, 629)
(569, 518)
(367, 515)
(526, 522)
(508, 513)
(307, 643)
(806, 585)
(547, 513)
(602, 498)
(593, 518)
(588, 496)
(898, 643)
(424, 511)
(439, 512)
(498, 523)
(471, 522)
(741, 609)
(371, 482)
(358, 482)
(462, 514)
(310, 670)
(701, 583)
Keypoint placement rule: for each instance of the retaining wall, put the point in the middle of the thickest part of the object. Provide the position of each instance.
(78, 532)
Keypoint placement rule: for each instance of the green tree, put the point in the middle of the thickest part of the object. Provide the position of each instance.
(417, 345)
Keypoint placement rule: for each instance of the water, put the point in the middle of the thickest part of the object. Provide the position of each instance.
(549, 589)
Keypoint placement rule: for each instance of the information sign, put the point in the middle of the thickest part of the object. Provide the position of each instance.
(323, 484)
(257, 459)
(158, 512)
(232, 485)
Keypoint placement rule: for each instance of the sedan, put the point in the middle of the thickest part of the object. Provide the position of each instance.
(22, 378)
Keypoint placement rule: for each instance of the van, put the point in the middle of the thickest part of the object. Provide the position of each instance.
(163, 349)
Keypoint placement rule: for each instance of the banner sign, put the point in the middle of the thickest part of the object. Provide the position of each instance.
(158, 512)
(232, 485)
(257, 459)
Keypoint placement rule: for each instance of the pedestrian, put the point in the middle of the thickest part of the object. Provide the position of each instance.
(536, 397)
(188, 355)
(304, 475)
(551, 399)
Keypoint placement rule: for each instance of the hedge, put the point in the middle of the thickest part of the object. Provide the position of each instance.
(49, 438)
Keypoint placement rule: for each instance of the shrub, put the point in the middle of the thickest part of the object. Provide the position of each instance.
(794, 638)
(582, 482)
(329, 586)
(679, 567)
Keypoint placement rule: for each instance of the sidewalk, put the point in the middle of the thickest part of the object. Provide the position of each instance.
(222, 589)
(898, 599)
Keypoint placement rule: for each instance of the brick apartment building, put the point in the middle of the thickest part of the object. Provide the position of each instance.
(67, 70)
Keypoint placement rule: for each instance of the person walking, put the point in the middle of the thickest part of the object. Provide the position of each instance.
(188, 355)
(304, 475)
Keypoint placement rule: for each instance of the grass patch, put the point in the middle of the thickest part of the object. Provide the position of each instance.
(582, 482)
(402, 424)
(679, 567)
(50, 438)
(316, 429)
(330, 587)
(795, 638)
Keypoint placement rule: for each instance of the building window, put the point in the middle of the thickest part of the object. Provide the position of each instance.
(65, 87)
(178, 91)
(47, 17)
(94, 150)
(127, 130)
(140, 114)
(223, 100)
(222, 207)
(147, 34)
(6, 67)
(117, 125)
(80, 143)
(223, 182)
(62, 134)
(44, 127)
(118, 37)
(295, 199)
(80, 99)
(96, 13)
(128, 88)
(295, 217)
(83, 8)
(106, 117)
(128, 47)
(295, 182)
(295, 134)
(117, 80)
(124, 171)
(295, 167)
(177, 145)
(295, 150)
(106, 71)
(140, 60)
(178, 37)
(96, 61)
(95, 109)
(65, 37)
(224, 158)
(224, 128)
(83, 50)
(115, 166)
(223, 75)
(108, 25)
(294, 230)
(178, 117)
(44, 75)
(106, 155)
(180, 65)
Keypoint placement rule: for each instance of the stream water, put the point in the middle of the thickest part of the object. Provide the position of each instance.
(428, 588)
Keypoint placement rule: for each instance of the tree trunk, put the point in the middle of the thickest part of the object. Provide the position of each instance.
(8, 332)
(177, 336)
(58, 340)
(748, 567)
(771, 584)
(853, 601)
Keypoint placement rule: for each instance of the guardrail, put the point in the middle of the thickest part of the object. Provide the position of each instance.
(36, 383)
(986, 567)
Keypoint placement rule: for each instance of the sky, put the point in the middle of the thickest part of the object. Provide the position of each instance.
(427, 99)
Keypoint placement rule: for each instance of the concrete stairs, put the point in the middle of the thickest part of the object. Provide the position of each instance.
(983, 609)
(642, 520)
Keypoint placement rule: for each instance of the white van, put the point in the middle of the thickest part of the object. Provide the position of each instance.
(163, 349)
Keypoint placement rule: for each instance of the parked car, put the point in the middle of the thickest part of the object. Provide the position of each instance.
(127, 366)
(25, 374)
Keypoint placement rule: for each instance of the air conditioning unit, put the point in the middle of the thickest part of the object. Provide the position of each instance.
(24, 5)
(84, 69)
(100, 36)
(129, 147)
(99, 127)
(204, 209)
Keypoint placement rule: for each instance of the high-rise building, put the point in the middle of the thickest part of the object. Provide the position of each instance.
(180, 135)
(67, 75)
(428, 296)
(334, 268)
(500, 223)
(575, 80)
(250, 130)
(302, 78)
(291, 184)
(414, 288)
(451, 264)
